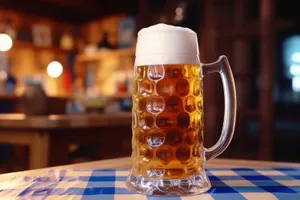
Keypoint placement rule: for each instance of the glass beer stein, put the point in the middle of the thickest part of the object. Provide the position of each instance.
(167, 144)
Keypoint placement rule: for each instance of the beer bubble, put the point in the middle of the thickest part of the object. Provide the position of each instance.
(155, 137)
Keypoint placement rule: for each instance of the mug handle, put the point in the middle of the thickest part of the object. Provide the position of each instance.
(223, 67)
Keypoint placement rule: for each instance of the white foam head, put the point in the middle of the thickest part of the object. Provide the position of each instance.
(166, 44)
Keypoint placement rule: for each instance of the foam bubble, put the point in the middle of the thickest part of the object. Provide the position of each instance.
(166, 44)
(165, 28)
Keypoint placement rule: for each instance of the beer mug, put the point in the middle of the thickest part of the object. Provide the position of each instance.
(167, 144)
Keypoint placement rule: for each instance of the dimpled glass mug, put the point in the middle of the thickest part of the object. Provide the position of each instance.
(167, 143)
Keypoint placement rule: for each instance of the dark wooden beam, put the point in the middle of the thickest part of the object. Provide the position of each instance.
(48, 10)
(208, 53)
(75, 11)
(144, 14)
(241, 68)
(253, 28)
(267, 63)
(87, 6)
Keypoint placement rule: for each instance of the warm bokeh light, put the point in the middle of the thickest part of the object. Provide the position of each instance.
(3, 75)
(296, 57)
(179, 11)
(295, 70)
(296, 84)
(5, 42)
(54, 69)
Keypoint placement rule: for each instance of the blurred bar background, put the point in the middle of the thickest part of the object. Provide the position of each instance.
(66, 71)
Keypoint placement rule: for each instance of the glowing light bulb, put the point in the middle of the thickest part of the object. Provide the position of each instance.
(296, 83)
(54, 69)
(295, 70)
(296, 57)
(179, 11)
(5, 42)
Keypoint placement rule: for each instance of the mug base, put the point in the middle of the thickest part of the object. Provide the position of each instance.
(193, 185)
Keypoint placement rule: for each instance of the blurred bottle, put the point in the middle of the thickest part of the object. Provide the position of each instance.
(75, 104)
(34, 100)
(10, 84)
(104, 42)
(129, 82)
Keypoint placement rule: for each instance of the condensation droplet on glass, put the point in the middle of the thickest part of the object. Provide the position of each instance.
(146, 87)
(155, 172)
(155, 138)
(146, 121)
(146, 153)
(155, 104)
(156, 72)
(165, 87)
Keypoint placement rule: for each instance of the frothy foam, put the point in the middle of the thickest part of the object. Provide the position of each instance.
(166, 44)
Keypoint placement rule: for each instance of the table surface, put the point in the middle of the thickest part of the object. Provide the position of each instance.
(21, 121)
(125, 163)
(231, 179)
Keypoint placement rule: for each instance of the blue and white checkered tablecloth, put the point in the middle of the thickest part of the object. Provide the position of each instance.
(227, 183)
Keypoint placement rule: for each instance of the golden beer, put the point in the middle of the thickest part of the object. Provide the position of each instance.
(167, 121)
